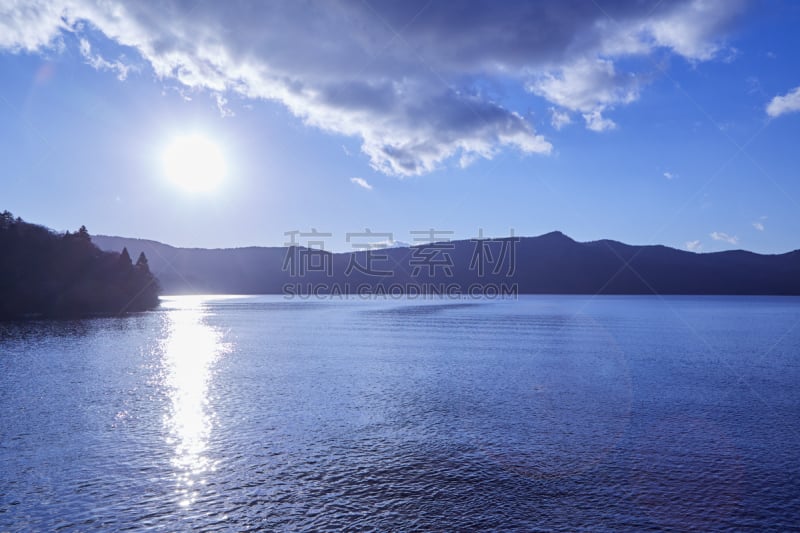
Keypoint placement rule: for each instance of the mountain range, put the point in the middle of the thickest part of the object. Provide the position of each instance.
(548, 264)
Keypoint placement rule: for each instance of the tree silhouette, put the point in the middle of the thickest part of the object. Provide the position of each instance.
(125, 258)
(6, 220)
(142, 264)
(45, 274)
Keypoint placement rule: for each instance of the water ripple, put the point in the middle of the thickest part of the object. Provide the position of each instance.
(550, 413)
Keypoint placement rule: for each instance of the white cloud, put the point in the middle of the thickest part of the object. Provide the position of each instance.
(390, 74)
(559, 119)
(687, 28)
(584, 85)
(788, 103)
(31, 26)
(720, 236)
(222, 106)
(97, 62)
(759, 226)
(589, 86)
(597, 122)
(694, 246)
(670, 175)
(361, 182)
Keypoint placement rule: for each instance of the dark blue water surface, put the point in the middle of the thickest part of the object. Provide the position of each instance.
(547, 412)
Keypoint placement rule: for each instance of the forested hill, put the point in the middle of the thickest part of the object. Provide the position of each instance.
(48, 274)
(550, 263)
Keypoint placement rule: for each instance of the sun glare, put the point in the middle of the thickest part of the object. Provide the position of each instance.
(194, 163)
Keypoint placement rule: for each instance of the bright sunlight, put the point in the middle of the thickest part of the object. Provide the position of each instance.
(194, 163)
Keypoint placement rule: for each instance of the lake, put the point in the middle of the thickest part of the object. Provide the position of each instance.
(546, 412)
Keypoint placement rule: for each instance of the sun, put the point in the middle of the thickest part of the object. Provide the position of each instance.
(194, 163)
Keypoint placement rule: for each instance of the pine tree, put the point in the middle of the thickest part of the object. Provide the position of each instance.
(125, 258)
(145, 286)
(142, 264)
(6, 220)
(83, 234)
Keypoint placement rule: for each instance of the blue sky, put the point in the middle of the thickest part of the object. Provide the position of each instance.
(673, 123)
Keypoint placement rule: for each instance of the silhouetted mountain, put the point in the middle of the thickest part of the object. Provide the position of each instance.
(46, 274)
(252, 270)
(551, 263)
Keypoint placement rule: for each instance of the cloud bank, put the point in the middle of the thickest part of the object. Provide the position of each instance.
(406, 78)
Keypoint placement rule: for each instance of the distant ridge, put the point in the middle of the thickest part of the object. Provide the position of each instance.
(552, 263)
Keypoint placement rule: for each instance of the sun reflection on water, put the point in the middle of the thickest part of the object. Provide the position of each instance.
(190, 350)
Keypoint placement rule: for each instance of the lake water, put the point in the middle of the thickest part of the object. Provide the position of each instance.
(547, 412)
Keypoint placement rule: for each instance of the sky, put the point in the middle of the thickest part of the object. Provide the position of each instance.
(648, 122)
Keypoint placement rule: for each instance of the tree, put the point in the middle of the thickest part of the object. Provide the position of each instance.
(83, 234)
(45, 274)
(6, 220)
(142, 263)
(145, 286)
(125, 259)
